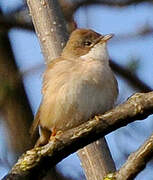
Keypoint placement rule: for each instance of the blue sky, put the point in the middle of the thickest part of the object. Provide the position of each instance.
(103, 20)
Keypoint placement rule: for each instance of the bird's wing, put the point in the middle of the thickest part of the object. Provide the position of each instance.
(47, 75)
(35, 123)
(46, 78)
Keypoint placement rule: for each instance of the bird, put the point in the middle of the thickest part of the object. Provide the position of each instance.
(77, 85)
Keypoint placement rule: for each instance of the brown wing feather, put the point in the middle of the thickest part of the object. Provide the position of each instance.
(46, 75)
(35, 123)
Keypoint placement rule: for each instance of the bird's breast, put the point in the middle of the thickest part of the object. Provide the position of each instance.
(81, 92)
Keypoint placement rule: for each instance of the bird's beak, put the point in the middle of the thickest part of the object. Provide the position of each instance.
(107, 37)
(104, 38)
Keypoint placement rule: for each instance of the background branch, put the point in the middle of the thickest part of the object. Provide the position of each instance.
(9, 22)
(110, 3)
(131, 77)
(14, 105)
(139, 106)
(50, 27)
(135, 163)
(96, 160)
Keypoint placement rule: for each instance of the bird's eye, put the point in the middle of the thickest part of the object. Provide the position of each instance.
(87, 43)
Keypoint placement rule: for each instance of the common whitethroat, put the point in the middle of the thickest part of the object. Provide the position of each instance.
(77, 85)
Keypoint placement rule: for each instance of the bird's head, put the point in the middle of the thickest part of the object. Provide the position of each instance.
(83, 42)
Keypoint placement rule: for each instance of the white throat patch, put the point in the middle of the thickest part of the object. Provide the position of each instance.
(98, 52)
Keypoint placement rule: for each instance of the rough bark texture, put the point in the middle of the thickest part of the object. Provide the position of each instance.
(96, 160)
(50, 27)
(139, 106)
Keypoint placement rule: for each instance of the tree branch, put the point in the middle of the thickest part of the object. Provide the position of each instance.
(132, 78)
(96, 160)
(139, 106)
(10, 22)
(136, 162)
(50, 27)
(14, 104)
(110, 3)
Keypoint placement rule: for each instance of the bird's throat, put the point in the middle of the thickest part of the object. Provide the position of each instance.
(98, 52)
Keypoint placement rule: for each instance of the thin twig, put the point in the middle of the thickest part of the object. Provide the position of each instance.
(135, 163)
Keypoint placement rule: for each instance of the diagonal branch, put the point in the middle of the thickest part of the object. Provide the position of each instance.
(139, 106)
(135, 163)
(131, 77)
